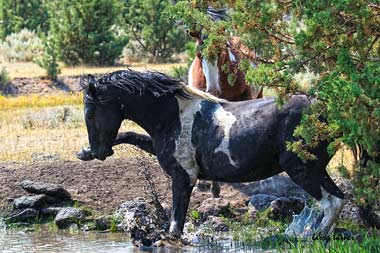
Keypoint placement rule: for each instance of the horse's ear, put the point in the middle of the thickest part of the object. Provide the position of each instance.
(91, 85)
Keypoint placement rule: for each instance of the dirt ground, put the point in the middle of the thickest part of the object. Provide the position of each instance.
(102, 186)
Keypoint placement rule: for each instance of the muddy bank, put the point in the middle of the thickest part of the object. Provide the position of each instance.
(102, 186)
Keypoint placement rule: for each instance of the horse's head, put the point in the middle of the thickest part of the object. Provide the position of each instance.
(103, 116)
(199, 38)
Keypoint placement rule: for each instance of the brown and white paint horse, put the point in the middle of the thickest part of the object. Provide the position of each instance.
(208, 75)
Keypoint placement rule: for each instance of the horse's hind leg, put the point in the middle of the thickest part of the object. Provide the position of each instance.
(332, 203)
(313, 178)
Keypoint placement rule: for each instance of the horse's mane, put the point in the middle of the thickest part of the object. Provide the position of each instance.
(218, 14)
(156, 83)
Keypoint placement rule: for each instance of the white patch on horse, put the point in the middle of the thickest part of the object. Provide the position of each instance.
(184, 148)
(173, 226)
(332, 206)
(190, 81)
(232, 56)
(211, 72)
(225, 120)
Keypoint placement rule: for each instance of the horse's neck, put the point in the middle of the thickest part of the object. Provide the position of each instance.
(151, 113)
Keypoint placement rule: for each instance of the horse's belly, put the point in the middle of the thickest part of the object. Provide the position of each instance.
(229, 166)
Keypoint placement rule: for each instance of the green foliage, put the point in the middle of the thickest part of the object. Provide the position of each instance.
(183, 71)
(194, 215)
(49, 59)
(18, 14)
(113, 227)
(85, 31)
(151, 32)
(338, 41)
(367, 182)
(180, 72)
(22, 46)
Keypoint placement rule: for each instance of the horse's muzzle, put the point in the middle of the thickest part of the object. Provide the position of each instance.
(103, 154)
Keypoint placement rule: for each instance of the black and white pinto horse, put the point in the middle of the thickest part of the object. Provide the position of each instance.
(198, 136)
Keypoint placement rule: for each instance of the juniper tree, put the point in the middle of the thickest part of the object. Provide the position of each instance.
(152, 33)
(86, 31)
(18, 14)
(338, 42)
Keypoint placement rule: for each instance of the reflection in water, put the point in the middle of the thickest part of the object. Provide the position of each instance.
(62, 241)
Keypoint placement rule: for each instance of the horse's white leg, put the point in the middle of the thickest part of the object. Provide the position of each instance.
(331, 207)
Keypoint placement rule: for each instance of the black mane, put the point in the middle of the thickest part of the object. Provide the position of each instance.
(218, 14)
(139, 83)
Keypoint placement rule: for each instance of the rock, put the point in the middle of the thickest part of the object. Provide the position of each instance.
(280, 185)
(9, 199)
(350, 209)
(214, 207)
(22, 215)
(103, 223)
(261, 201)
(283, 208)
(202, 186)
(69, 215)
(141, 220)
(216, 223)
(50, 211)
(36, 201)
(53, 190)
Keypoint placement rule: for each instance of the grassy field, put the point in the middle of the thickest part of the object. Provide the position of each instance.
(48, 133)
(29, 69)
(51, 126)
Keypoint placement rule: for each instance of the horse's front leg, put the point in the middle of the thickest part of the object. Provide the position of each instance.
(181, 188)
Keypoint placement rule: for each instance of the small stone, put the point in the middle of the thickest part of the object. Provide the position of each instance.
(217, 223)
(103, 223)
(36, 201)
(22, 215)
(283, 208)
(261, 201)
(215, 207)
(68, 216)
(50, 211)
(53, 190)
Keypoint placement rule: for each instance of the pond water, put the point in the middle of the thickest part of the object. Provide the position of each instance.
(45, 240)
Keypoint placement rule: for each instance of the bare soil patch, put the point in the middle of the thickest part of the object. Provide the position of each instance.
(102, 186)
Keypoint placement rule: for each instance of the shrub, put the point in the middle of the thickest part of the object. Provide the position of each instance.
(18, 14)
(86, 32)
(21, 46)
(180, 72)
(151, 33)
(4, 79)
(48, 60)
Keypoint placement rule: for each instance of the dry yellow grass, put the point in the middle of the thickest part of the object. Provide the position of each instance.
(33, 134)
(29, 69)
(34, 100)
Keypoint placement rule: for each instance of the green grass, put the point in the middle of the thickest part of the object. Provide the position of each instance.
(264, 234)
